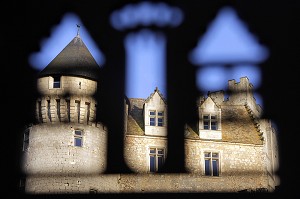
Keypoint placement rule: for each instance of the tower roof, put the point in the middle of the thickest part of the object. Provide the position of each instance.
(74, 60)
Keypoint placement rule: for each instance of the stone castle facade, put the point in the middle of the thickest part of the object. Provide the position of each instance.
(230, 149)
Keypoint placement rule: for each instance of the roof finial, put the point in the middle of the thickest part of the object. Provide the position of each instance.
(78, 26)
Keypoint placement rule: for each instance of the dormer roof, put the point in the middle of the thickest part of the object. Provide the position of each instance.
(209, 104)
(74, 60)
(156, 90)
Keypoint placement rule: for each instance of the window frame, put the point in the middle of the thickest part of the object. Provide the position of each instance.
(26, 137)
(152, 117)
(209, 121)
(157, 165)
(156, 118)
(78, 137)
(210, 171)
(56, 82)
(162, 117)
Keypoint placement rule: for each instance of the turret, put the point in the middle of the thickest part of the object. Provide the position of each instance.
(66, 140)
(241, 93)
(67, 86)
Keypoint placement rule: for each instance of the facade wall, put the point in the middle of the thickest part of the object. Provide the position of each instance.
(271, 156)
(73, 183)
(136, 151)
(187, 183)
(241, 168)
(51, 152)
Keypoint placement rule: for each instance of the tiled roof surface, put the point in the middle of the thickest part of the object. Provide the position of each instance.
(238, 126)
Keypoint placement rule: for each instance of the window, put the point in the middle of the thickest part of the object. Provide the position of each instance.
(58, 109)
(160, 118)
(26, 139)
(40, 111)
(157, 158)
(78, 110)
(78, 138)
(22, 183)
(152, 116)
(56, 82)
(87, 104)
(156, 119)
(211, 163)
(68, 110)
(210, 122)
(49, 110)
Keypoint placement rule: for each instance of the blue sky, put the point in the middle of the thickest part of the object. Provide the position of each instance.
(226, 40)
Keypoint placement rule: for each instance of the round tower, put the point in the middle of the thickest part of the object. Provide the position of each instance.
(66, 144)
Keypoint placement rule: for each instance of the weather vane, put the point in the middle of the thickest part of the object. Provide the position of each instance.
(78, 26)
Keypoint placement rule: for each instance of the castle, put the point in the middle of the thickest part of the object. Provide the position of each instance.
(230, 149)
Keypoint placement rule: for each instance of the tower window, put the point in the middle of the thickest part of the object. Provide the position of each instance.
(58, 109)
(211, 164)
(78, 110)
(78, 138)
(26, 139)
(40, 111)
(22, 184)
(87, 104)
(49, 110)
(56, 82)
(68, 110)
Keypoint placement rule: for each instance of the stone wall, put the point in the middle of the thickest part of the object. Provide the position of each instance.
(69, 84)
(51, 152)
(74, 170)
(72, 102)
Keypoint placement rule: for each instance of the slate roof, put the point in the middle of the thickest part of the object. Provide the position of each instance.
(74, 60)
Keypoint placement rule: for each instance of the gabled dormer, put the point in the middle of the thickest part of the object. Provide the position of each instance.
(155, 114)
(209, 120)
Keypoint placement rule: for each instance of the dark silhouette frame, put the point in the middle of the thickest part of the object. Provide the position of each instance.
(274, 22)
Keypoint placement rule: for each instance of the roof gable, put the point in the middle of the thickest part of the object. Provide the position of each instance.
(209, 105)
(155, 95)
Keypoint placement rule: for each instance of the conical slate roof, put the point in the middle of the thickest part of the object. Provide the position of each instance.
(74, 60)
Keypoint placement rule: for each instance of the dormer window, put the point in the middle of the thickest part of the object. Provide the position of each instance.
(160, 118)
(156, 118)
(210, 126)
(210, 122)
(56, 82)
(155, 115)
(152, 117)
